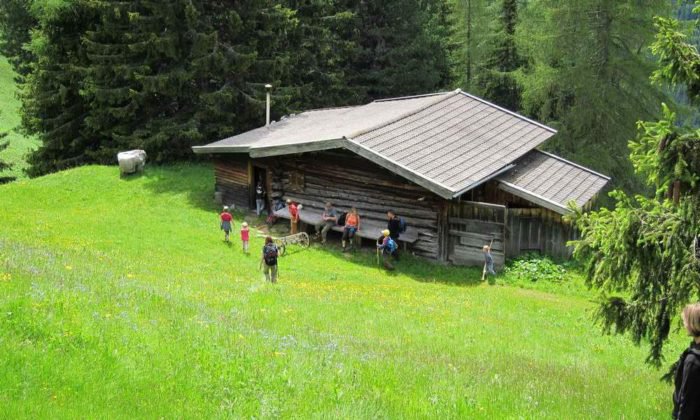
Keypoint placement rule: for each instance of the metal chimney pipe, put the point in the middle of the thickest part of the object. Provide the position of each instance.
(268, 88)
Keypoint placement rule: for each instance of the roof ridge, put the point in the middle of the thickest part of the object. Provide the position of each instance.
(442, 97)
(572, 163)
(401, 98)
(515, 114)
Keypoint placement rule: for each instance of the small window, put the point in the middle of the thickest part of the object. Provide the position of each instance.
(296, 181)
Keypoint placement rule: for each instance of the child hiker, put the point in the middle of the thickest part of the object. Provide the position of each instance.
(488, 262)
(389, 247)
(269, 260)
(226, 223)
(245, 236)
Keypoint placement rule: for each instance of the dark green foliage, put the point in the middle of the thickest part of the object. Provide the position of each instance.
(589, 77)
(110, 75)
(4, 165)
(641, 254)
(53, 107)
(16, 23)
(402, 48)
(496, 80)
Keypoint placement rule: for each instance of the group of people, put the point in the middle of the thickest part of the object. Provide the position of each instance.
(227, 225)
(686, 395)
(351, 222)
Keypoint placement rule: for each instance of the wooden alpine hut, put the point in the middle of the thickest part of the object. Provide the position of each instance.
(460, 170)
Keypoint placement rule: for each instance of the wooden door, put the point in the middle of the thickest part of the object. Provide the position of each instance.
(473, 225)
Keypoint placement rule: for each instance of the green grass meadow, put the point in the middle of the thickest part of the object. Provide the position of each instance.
(119, 299)
(20, 144)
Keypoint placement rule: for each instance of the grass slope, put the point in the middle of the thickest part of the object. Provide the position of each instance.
(118, 298)
(20, 145)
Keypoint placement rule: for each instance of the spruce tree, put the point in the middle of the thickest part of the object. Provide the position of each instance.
(496, 79)
(589, 77)
(53, 108)
(644, 255)
(16, 24)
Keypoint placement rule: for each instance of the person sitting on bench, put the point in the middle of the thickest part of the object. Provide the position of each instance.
(329, 218)
(352, 225)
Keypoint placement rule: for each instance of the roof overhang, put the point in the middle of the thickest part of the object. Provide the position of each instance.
(535, 198)
(290, 149)
(204, 150)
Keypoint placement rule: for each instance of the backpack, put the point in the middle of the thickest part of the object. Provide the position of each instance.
(270, 254)
(391, 245)
(402, 225)
(341, 218)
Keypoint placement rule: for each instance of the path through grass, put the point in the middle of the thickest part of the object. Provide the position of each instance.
(119, 299)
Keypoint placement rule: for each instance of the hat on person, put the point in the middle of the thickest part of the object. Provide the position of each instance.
(244, 224)
(225, 208)
(386, 232)
(289, 201)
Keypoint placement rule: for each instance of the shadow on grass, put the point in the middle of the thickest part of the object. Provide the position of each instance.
(416, 268)
(194, 180)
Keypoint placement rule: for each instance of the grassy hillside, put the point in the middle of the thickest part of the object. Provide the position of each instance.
(118, 298)
(9, 120)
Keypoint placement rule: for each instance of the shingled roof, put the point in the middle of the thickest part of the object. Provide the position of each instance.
(446, 142)
(552, 182)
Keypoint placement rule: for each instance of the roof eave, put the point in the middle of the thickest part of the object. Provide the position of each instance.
(203, 150)
(289, 149)
(535, 198)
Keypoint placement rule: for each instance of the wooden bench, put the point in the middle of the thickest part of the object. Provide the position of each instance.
(369, 229)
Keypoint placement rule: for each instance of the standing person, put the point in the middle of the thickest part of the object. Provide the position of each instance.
(226, 223)
(259, 198)
(293, 216)
(488, 262)
(329, 218)
(686, 395)
(245, 236)
(269, 260)
(352, 225)
(388, 247)
(394, 227)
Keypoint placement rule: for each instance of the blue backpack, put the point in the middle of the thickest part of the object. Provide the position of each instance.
(402, 225)
(391, 245)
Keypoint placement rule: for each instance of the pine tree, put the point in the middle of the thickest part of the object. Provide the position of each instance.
(16, 24)
(588, 75)
(397, 55)
(52, 106)
(644, 254)
(496, 79)
(4, 165)
(471, 20)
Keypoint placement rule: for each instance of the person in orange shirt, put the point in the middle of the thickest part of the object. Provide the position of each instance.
(352, 225)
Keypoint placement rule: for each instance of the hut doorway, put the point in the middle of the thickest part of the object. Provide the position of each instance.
(260, 175)
(473, 225)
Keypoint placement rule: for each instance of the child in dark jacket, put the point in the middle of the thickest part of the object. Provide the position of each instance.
(686, 396)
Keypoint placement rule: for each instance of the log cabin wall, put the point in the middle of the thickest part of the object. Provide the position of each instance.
(529, 227)
(232, 174)
(347, 180)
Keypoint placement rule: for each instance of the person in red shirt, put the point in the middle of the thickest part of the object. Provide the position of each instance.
(245, 236)
(226, 223)
(293, 216)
